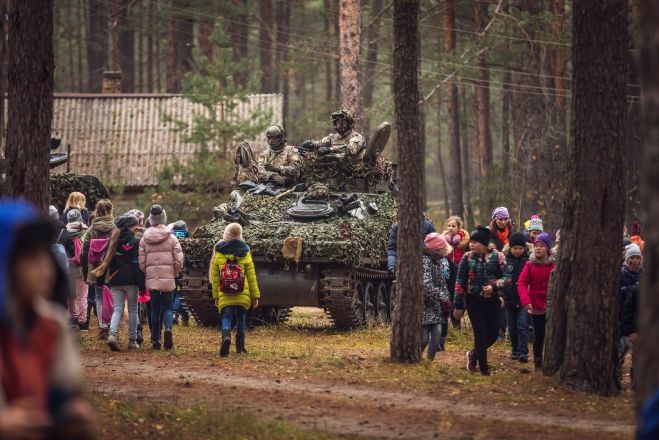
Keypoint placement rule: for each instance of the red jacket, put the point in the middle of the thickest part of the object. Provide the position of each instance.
(460, 245)
(533, 283)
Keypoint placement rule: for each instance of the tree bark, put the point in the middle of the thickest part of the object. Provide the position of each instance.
(97, 45)
(139, 83)
(31, 102)
(350, 45)
(372, 47)
(329, 94)
(505, 125)
(440, 158)
(483, 95)
(4, 54)
(205, 42)
(179, 46)
(467, 140)
(79, 36)
(599, 88)
(266, 46)
(455, 162)
(646, 352)
(283, 18)
(405, 335)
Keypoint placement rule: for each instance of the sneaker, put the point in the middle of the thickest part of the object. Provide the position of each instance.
(186, 322)
(169, 343)
(485, 372)
(523, 359)
(224, 348)
(103, 334)
(83, 326)
(156, 345)
(133, 345)
(113, 343)
(471, 362)
(140, 335)
(537, 362)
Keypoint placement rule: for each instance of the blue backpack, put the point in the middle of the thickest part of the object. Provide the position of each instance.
(60, 253)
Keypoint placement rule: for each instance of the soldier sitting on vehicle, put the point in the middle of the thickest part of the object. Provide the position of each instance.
(346, 141)
(281, 163)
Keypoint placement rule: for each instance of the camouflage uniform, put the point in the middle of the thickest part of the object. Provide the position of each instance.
(287, 160)
(352, 145)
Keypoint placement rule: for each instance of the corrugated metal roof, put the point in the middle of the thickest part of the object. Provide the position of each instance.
(124, 140)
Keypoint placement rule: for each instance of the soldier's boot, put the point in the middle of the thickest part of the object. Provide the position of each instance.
(226, 343)
(240, 343)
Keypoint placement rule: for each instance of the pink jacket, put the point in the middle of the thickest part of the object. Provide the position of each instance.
(161, 258)
(533, 284)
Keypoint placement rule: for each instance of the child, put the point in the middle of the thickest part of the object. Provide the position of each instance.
(180, 230)
(120, 270)
(501, 227)
(516, 315)
(534, 229)
(101, 228)
(630, 281)
(533, 285)
(230, 251)
(436, 302)
(481, 278)
(77, 303)
(41, 392)
(457, 237)
(161, 259)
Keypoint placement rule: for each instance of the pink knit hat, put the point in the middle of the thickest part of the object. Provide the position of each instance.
(436, 242)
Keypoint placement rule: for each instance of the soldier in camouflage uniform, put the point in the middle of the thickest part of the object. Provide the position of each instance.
(281, 163)
(345, 141)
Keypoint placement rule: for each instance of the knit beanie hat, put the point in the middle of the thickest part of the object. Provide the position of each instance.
(500, 213)
(546, 240)
(535, 224)
(481, 235)
(632, 251)
(233, 231)
(53, 213)
(157, 216)
(517, 239)
(126, 221)
(436, 242)
(74, 215)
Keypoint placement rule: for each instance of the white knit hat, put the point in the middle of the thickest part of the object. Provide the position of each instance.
(233, 231)
(632, 251)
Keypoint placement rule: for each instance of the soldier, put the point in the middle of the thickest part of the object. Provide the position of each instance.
(281, 163)
(345, 141)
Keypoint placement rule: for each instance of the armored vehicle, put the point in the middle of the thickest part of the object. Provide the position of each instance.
(319, 244)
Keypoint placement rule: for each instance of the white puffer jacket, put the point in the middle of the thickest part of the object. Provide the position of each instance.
(161, 258)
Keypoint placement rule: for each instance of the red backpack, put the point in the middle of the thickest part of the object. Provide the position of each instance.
(77, 248)
(232, 278)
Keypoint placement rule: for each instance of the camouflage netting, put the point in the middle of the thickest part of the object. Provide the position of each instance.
(319, 170)
(339, 238)
(61, 185)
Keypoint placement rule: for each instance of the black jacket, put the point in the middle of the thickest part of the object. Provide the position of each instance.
(83, 212)
(630, 313)
(514, 265)
(392, 245)
(64, 237)
(124, 269)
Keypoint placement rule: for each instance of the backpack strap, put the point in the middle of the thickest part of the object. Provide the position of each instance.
(60, 235)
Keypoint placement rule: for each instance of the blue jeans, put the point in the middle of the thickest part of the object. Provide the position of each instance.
(178, 307)
(431, 335)
(161, 305)
(518, 329)
(119, 295)
(228, 315)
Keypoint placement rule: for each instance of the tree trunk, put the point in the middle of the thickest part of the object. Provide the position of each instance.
(205, 42)
(337, 58)
(150, 59)
(599, 88)
(466, 139)
(405, 335)
(483, 95)
(440, 159)
(4, 54)
(179, 46)
(372, 47)
(350, 45)
(505, 125)
(266, 46)
(239, 38)
(31, 102)
(173, 82)
(126, 47)
(80, 5)
(455, 162)
(329, 94)
(283, 18)
(139, 83)
(97, 45)
(646, 351)
(67, 20)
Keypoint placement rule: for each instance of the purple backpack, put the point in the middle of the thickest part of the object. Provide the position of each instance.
(97, 249)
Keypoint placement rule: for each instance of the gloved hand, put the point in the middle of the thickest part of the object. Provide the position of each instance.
(322, 151)
(307, 145)
(392, 270)
(272, 168)
(279, 180)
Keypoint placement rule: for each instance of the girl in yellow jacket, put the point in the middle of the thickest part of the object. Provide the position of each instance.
(233, 304)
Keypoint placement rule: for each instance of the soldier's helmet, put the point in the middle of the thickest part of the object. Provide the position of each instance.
(344, 114)
(278, 132)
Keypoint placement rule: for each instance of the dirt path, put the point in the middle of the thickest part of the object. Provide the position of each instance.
(335, 408)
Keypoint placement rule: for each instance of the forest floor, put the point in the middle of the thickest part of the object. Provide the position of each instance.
(304, 380)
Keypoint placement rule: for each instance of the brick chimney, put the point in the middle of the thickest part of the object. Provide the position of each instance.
(111, 82)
